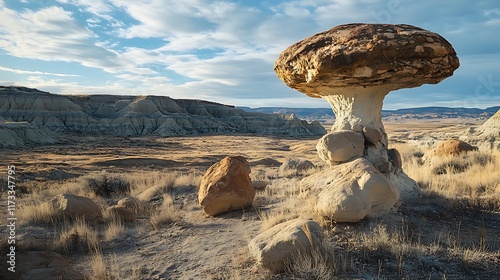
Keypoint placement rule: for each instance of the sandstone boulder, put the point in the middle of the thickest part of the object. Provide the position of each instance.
(351, 191)
(277, 245)
(452, 147)
(226, 186)
(340, 146)
(41, 265)
(122, 213)
(76, 206)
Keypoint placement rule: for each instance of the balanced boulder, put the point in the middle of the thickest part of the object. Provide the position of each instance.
(76, 206)
(226, 186)
(277, 245)
(340, 146)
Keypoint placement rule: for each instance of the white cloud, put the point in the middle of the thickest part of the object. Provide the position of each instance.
(24, 72)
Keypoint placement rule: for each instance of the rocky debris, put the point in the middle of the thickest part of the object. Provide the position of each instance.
(353, 67)
(487, 136)
(76, 206)
(395, 158)
(122, 213)
(452, 147)
(226, 186)
(42, 265)
(340, 146)
(350, 192)
(277, 245)
(298, 166)
(127, 116)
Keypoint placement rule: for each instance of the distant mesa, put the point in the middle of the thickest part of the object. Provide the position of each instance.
(30, 117)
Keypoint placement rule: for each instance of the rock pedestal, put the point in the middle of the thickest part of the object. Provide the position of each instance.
(353, 67)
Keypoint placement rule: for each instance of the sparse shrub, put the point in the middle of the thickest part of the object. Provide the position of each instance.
(39, 213)
(105, 185)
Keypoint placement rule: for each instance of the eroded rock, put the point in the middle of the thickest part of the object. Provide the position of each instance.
(76, 206)
(277, 245)
(340, 146)
(226, 186)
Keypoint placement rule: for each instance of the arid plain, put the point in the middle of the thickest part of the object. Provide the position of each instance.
(451, 232)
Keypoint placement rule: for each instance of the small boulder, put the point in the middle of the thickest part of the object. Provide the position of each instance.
(226, 186)
(452, 147)
(296, 165)
(122, 213)
(395, 158)
(372, 135)
(351, 191)
(277, 245)
(41, 265)
(76, 206)
(340, 146)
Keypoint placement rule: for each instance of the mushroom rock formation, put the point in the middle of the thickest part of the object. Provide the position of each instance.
(354, 66)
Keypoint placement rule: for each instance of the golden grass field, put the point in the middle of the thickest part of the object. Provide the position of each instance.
(452, 232)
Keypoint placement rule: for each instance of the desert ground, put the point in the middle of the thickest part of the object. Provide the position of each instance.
(451, 232)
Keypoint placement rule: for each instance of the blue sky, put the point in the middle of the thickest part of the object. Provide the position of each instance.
(224, 51)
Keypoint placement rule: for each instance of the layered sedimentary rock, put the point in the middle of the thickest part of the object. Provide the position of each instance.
(139, 116)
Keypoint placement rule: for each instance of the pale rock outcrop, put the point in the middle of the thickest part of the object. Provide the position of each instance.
(487, 136)
(42, 265)
(350, 192)
(226, 186)
(76, 206)
(340, 146)
(277, 245)
(354, 66)
(122, 213)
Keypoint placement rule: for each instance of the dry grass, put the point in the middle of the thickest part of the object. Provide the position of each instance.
(37, 212)
(78, 236)
(166, 213)
(114, 229)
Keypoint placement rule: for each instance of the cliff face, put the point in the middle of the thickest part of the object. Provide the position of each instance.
(138, 116)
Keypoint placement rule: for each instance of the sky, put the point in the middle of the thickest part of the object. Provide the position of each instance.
(224, 51)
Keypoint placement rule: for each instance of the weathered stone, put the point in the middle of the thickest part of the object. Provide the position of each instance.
(395, 158)
(487, 136)
(340, 146)
(76, 206)
(122, 213)
(277, 245)
(350, 192)
(226, 186)
(452, 147)
(372, 136)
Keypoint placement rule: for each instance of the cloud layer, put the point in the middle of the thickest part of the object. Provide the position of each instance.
(224, 50)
